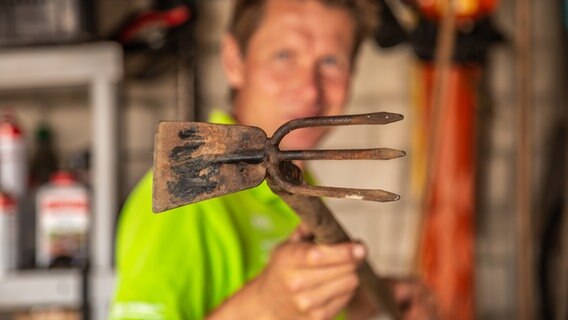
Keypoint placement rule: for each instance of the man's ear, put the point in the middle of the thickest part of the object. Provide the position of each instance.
(233, 62)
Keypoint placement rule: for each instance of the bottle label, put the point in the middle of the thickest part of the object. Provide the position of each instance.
(63, 225)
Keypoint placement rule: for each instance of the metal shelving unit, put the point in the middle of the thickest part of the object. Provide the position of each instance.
(99, 67)
(40, 288)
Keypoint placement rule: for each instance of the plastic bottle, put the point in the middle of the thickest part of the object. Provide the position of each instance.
(44, 159)
(62, 215)
(13, 161)
(8, 233)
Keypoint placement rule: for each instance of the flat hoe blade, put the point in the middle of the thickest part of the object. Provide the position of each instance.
(196, 161)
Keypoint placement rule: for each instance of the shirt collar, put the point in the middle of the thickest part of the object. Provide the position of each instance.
(221, 117)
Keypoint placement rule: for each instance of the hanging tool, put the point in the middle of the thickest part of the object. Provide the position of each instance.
(198, 161)
(524, 86)
(451, 38)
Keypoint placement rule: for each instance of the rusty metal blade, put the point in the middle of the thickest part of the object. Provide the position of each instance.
(198, 161)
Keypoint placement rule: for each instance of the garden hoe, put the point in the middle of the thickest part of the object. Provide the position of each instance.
(196, 161)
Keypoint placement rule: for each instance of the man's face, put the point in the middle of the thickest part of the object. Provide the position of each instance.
(297, 64)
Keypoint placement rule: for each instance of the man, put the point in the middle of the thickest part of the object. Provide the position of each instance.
(284, 59)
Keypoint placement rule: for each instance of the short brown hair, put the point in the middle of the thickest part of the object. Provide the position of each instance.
(247, 15)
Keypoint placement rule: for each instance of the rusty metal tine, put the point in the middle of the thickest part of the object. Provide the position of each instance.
(332, 192)
(357, 119)
(345, 193)
(277, 156)
(347, 154)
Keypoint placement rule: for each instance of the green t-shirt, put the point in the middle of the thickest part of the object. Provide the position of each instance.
(183, 263)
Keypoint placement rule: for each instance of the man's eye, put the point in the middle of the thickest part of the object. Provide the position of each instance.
(283, 55)
(330, 61)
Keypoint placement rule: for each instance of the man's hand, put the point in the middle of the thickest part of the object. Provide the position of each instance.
(302, 280)
(308, 281)
(415, 299)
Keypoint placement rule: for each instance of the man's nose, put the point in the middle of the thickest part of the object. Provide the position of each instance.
(309, 84)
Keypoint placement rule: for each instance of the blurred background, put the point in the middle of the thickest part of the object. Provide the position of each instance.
(482, 216)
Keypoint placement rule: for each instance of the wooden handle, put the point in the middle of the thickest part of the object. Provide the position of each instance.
(327, 230)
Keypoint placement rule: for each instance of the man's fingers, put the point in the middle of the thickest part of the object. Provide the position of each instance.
(329, 255)
(307, 255)
(332, 308)
(404, 293)
(404, 288)
(415, 300)
(328, 291)
(312, 277)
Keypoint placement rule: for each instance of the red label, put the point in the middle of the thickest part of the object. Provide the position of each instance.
(57, 205)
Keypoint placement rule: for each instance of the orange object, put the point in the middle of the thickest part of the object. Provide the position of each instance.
(446, 252)
(465, 9)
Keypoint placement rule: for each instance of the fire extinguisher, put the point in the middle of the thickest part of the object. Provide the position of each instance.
(13, 161)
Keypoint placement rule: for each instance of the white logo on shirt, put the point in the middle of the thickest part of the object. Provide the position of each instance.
(261, 222)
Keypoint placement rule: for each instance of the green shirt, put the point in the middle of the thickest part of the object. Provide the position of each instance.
(182, 263)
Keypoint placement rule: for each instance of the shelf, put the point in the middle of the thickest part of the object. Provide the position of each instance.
(98, 66)
(40, 288)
